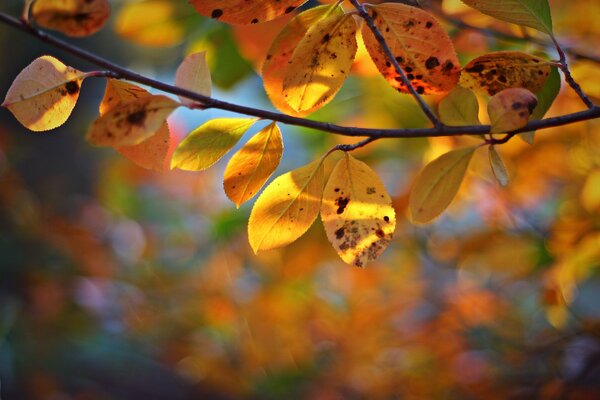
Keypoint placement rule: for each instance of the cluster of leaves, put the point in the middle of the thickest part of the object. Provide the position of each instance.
(305, 67)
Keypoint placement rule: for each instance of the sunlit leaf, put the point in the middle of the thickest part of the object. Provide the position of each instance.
(501, 70)
(150, 153)
(286, 208)
(71, 17)
(420, 45)
(357, 212)
(545, 97)
(205, 145)
(278, 56)
(193, 74)
(44, 94)
(253, 164)
(498, 167)
(532, 13)
(132, 122)
(320, 63)
(459, 108)
(438, 183)
(244, 11)
(160, 26)
(510, 109)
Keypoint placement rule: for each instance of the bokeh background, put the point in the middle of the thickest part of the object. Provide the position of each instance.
(122, 283)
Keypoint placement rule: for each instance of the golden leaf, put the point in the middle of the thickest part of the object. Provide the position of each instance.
(253, 164)
(459, 108)
(357, 212)
(243, 11)
(286, 208)
(71, 17)
(44, 94)
(510, 109)
(498, 167)
(420, 45)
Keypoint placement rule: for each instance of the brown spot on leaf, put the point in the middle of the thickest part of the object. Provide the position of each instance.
(342, 203)
(339, 233)
(216, 13)
(72, 87)
(137, 118)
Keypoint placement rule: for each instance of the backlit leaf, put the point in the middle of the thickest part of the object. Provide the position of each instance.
(498, 167)
(253, 164)
(286, 208)
(420, 45)
(545, 97)
(438, 183)
(278, 56)
(244, 11)
(320, 63)
(150, 153)
(501, 70)
(193, 74)
(71, 17)
(132, 122)
(510, 109)
(44, 94)
(208, 143)
(357, 212)
(532, 13)
(459, 108)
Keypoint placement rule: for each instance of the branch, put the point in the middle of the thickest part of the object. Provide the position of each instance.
(119, 72)
(390, 56)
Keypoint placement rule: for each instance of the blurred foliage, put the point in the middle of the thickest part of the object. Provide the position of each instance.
(119, 283)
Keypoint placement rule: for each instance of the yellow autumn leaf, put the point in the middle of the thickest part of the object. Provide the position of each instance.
(150, 153)
(253, 164)
(494, 72)
(193, 74)
(71, 17)
(437, 184)
(498, 167)
(419, 44)
(286, 208)
(510, 109)
(357, 212)
(320, 63)
(243, 11)
(280, 53)
(459, 108)
(44, 94)
(208, 143)
(131, 123)
(160, 26)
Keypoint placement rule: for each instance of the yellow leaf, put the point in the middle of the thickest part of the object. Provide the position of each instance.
(44, 94)
(193, 74)
(160, 26)
(532, 13)
(357, 212)
(437, 184)
(320, 63)
(510, 109)
(208, 143)
(459, 108)
(494, 72)
(253, 164)
(280, 53)
(420, 45)
(132, 122)
(243, 11)
(71, 17)
(498, 167)
(286, 208)
(150, 153)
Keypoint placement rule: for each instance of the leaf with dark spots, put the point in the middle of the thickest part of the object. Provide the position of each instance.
(245, 12)
(341, 203)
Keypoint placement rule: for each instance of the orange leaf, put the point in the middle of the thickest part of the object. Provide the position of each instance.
(244, 12)
(71, 17)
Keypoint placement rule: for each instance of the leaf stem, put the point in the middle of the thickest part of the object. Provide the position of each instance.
(568, 77)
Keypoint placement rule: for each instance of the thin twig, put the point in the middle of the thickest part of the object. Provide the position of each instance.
(568, 77)
(120, 72)
(390, 56)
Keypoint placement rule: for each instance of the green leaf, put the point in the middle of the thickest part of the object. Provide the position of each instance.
(437, 184)
(459, 108)
(546, 97)
(498, 167)
(208, 143)
(532, 13)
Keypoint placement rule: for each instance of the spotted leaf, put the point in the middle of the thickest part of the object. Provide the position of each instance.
(71, 17)
(420, 45)
(510, 109)
(244, 11)
(44, 94)
(494, 72)
(357, 212)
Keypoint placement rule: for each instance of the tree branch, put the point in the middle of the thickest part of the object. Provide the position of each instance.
(119, 72)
